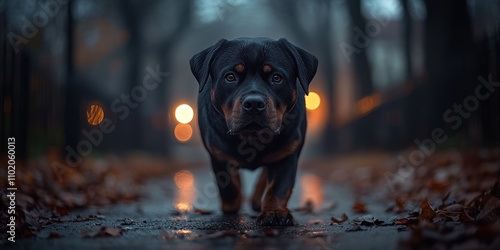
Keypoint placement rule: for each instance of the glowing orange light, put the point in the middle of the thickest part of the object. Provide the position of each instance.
(183, 132)
(312, 101)
(317, 117)
(368, 103)
(311, 190)
(184, 113)
(182, 206)
(184, 181)
(95, 114)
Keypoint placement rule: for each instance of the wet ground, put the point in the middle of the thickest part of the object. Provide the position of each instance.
(345, 204)
(154, 223)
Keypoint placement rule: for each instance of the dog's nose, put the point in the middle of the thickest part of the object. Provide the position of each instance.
(254, 104)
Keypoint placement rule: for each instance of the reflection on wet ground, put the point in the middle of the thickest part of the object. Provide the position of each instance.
(197, 190)
(182, 212)
(341, 203)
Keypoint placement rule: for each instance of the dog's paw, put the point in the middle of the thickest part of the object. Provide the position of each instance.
(281, 217)
(231, 206)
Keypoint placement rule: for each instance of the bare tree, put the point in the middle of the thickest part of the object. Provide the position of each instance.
(407, 37)
(72, 103)
(362, 69)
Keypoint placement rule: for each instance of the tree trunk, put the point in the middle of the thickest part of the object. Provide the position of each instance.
(407, 37)
(72, 105)
(328, 68)
(362, 69)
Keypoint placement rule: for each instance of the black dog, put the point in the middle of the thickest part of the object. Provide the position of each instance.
(251, 113)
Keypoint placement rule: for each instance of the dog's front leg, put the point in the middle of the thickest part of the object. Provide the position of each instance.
(280, 182)
(229, 184)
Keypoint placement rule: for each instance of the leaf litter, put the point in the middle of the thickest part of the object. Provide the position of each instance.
(459, 201)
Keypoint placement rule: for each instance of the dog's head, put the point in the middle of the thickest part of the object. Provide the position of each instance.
(253, 81)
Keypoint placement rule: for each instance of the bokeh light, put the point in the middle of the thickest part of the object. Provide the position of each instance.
(312, 190)
(184, 180)
(183, 132)
(368, 103)
(312, 101)
(182, 206)
(184, 113)
(95, 114)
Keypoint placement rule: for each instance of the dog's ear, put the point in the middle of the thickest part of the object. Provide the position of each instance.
(201, 63)
(306, 63)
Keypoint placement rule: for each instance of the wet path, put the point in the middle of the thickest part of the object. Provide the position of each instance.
(181, 212)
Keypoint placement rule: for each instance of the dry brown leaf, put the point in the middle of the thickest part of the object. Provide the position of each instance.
(426, 211)
(490, 207)
(339, 221)
(367, 220)
(405, 221)
(454, 208)
(359, 207)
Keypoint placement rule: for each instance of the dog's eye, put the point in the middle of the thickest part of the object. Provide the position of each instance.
(230, 77)
(277, 79)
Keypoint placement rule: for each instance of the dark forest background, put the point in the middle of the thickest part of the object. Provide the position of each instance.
(388, 70)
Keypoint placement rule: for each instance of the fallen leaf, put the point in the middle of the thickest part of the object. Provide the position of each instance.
(367, 220)
(341, 220)
(490, 206)
(405, 221)
(454, 208)
(359, 207)
(426, 211)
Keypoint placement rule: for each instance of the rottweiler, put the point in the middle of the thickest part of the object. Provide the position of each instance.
(251, 113)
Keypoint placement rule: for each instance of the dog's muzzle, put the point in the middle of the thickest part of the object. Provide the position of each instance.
(254, 104)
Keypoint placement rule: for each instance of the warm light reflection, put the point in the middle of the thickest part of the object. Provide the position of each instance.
(183, 132)
(312, 101)
(182, 206)
(184, 231)
(184, 181)
(312, 190)
(184, 113)
(368, 103)
(95, 114)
